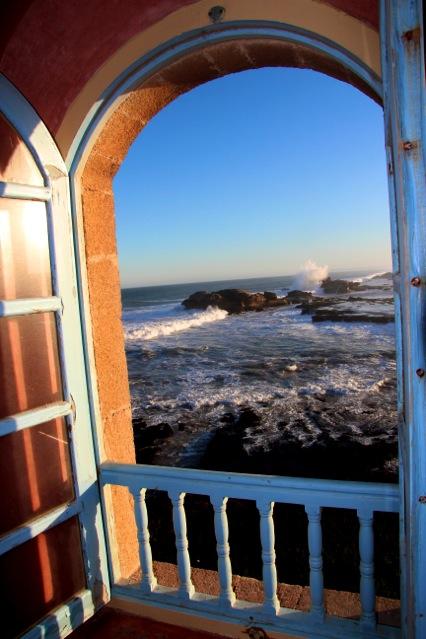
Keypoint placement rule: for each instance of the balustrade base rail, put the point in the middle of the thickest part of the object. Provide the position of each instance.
(265, 491)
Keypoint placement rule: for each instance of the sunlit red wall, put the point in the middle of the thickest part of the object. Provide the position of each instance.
(49, 48)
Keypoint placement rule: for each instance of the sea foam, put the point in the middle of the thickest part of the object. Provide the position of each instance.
(153, 330)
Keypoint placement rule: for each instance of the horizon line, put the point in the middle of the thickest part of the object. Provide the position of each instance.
(255, 277)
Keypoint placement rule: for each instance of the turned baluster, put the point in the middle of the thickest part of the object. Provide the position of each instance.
(186, 588)
(316, 579)
(366, 567)
(267, 537)
(227, 595)
(149, 581)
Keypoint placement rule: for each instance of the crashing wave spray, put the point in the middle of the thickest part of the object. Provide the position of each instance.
(310, 277)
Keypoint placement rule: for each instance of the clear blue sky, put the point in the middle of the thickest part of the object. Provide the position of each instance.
(252, 175)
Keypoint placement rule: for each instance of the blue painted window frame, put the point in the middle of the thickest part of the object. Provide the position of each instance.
(75, 407)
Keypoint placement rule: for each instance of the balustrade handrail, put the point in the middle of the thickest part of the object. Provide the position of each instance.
(292, 490)
(265, 490)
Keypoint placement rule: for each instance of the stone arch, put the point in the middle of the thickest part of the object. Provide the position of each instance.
(132, 100)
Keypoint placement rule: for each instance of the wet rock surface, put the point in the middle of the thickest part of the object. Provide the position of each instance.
(331, 442)
(350, 309)
(345, 308)
(234, 300)
(340, 286)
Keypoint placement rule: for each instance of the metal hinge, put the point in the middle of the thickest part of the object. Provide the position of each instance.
(73, 409)
(256, 633)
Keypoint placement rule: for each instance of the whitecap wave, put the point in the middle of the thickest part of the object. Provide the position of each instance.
(153, 330)
(367, 278)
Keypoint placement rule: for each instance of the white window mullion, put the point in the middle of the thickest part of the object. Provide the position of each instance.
(65, 618)
(16, 191)
(15, 308)
(37, 526)
(34, 417)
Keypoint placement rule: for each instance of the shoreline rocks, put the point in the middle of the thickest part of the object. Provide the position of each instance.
(339, 287)
(234, 300)
(321, 309)
(332, 454)
(350, 309)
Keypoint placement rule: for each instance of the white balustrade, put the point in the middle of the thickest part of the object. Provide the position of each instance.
(365, 498)
(267, 538)
(227, 595)
(186, 588)
(149, 581)
(367, 590)
(316, 579)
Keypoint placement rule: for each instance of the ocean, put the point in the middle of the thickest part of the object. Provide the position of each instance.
(197, 370)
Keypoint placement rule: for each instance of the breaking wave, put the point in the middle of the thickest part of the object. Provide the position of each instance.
(153, 330)
(310, 277)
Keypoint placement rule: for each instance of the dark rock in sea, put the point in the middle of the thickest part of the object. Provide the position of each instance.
(331, 454)
(383, 276)
(234, 300)
(336, 315)
(148, 435)
(187, 405)
(298, 297)
(225, 449)
(350, 309)
(339, 287)
(268, 295)
(138, 424)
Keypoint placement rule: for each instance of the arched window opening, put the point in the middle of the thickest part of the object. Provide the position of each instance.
(263, 191)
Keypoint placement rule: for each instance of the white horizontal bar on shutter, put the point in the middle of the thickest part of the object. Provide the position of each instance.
(13, 308)
(64, 619)
(33, 417)
(25, 192)
(37, 526)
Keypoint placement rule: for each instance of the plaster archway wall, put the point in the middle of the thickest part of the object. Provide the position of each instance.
(108, 146)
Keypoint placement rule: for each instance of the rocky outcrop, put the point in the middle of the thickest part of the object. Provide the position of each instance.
(335, 452)
(321, 309)
(339, 287)
(336, 315)
(351, 309)
(299, 297)
(149, 439)
(234, 300)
